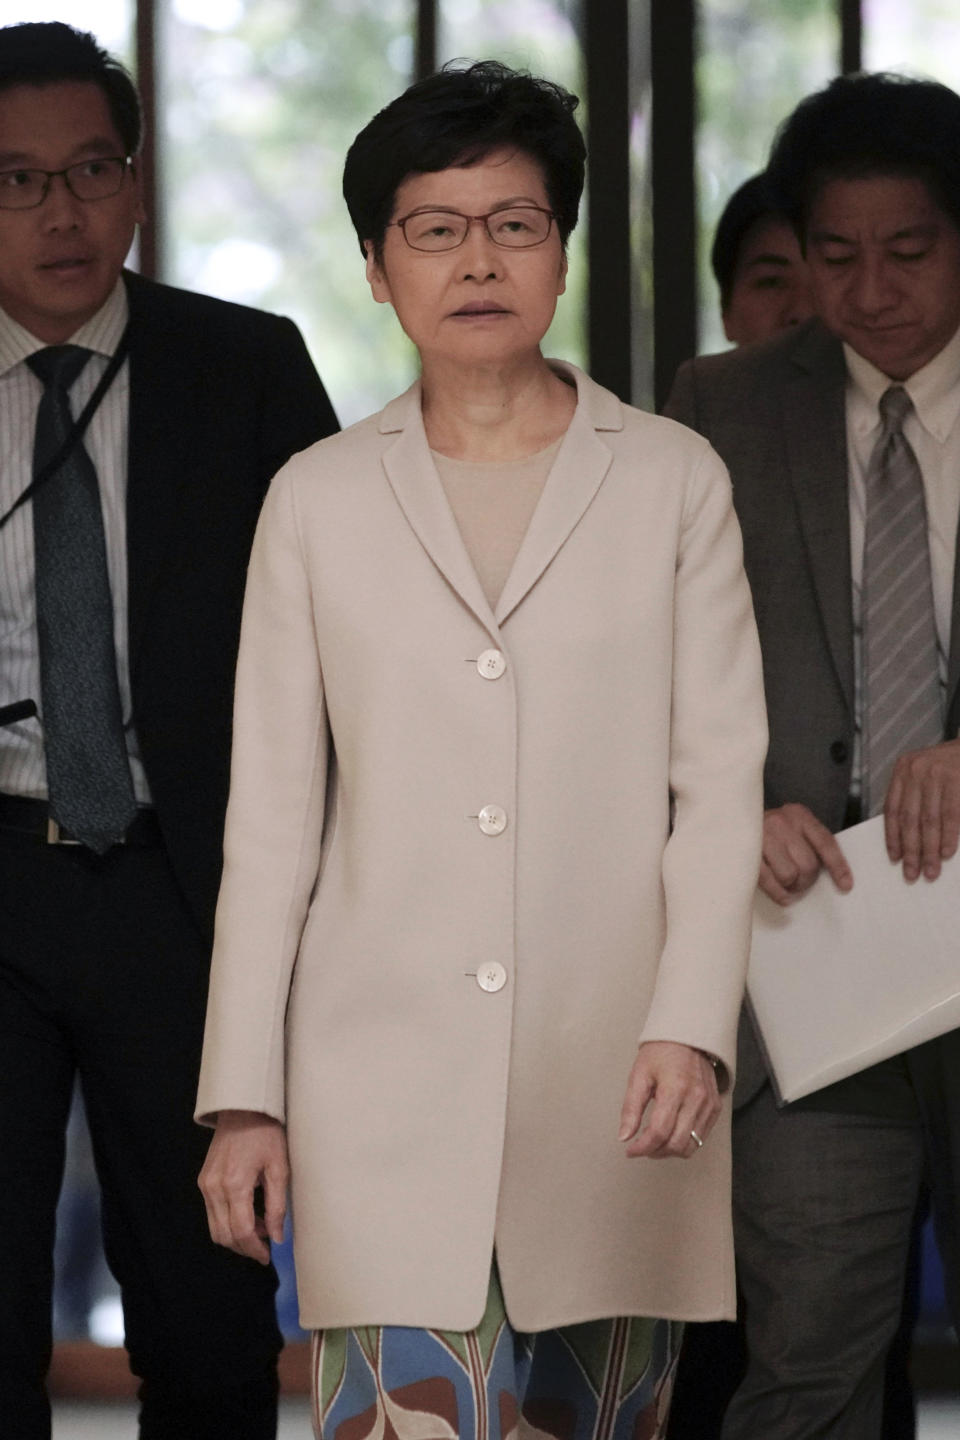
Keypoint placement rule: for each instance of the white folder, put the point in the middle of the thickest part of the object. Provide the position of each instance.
(837, 982)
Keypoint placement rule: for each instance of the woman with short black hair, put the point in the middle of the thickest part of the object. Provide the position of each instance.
(494, 819)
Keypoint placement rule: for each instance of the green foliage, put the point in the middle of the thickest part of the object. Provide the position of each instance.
(258, 115)
(756, 60)
(257, 119)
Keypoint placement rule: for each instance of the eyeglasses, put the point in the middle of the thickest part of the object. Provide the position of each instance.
(519, 227)
(87, 180)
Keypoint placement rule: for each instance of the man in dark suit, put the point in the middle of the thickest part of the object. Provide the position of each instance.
(843, 442)
(121, 583)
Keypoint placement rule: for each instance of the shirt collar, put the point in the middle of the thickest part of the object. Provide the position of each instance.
(934, 390)
(100, 333)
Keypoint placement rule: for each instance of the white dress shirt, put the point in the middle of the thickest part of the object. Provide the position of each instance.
(933, 432)
(22, 765)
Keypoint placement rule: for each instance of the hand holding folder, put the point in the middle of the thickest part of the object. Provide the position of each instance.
(839, 981)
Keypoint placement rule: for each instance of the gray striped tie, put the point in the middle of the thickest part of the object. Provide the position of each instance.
(902, 708)
(88, 774)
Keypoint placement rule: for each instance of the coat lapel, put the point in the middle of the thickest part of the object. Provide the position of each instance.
(574, 479)
(413, 477)
(814, 427)
(580, 465)
(579, 468)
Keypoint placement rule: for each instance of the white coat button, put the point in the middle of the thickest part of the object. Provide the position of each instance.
(492, 820)
(491, 664)
(491, 977)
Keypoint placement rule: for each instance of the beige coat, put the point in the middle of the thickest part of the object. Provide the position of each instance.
(445, 1008)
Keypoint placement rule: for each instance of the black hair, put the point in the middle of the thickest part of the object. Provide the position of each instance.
(865, 125)
(48, 53)
(754, 200)
(457, 117)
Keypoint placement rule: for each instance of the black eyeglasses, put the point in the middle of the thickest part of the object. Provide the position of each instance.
(518, 227)
(87, 180)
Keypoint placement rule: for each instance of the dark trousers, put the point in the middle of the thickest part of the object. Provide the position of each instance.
(935, 1070)
(824, 1211)
(103, 975)
(713, 1363)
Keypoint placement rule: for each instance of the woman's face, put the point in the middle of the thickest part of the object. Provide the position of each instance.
(480, 304)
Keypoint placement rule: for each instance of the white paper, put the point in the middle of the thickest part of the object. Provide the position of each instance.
(837, 982)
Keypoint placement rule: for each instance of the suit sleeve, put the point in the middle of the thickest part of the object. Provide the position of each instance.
(274, 822)
(295, 410)
(717, 746)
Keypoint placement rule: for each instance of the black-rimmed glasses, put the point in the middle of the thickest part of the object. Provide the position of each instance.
(24, 189)
(517, 227)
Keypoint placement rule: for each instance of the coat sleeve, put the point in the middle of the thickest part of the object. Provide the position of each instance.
(717, 747)
(274, 821)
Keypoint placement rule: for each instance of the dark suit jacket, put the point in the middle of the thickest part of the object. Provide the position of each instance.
(220, 396)
(776, 414)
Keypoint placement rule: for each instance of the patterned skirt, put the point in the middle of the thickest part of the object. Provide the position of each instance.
(604, 1380)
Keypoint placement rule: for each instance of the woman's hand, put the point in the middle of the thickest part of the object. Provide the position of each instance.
(672, 1089)
(247, 1150)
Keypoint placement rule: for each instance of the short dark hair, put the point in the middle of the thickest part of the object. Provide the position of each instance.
(865, 125)
(457, 117)
(47, 53)
(754, 200)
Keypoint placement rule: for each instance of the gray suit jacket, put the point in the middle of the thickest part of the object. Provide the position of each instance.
(775, 412)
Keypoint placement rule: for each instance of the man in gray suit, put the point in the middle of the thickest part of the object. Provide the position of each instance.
(843, 441)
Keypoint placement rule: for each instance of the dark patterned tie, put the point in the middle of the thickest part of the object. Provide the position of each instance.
(902, 704)
(88, 774)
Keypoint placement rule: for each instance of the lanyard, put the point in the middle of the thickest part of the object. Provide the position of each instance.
(77, 431)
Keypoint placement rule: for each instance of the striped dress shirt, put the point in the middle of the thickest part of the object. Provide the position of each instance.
(22, 768)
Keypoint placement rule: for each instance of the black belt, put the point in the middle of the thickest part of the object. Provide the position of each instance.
(32, 819)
